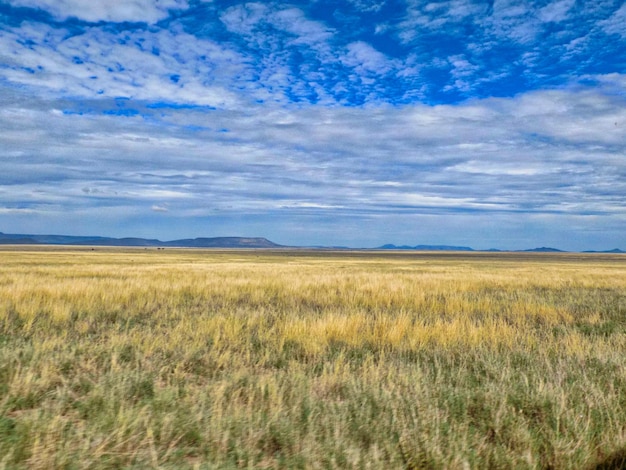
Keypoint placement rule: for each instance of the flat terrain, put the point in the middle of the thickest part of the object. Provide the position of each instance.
(134, 358)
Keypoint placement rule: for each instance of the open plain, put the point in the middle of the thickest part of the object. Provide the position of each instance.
(133, 358)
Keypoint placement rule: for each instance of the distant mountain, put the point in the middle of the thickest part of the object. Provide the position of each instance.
(544, 249)
(218, 242)
(17, 240)
(224, 242)
(425, 247)
(229, 242)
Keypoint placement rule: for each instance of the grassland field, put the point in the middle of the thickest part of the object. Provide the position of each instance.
(133, 358)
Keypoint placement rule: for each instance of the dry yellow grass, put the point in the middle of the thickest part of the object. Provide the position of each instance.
(183, 358)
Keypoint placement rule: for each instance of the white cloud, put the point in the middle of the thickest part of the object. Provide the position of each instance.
(293, 21)
(10, 210)
(368, 5)
(592, 118)
(513, 21)
(365, 59)
(488, 158)
(278, 54)
(462, 73)
(543, 152)
(616, 24)
(148, 11)
(157, 66)
(556, 11)
(242, 19)
(433, 16)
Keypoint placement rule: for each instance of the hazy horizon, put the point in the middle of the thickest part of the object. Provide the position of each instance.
(84, 240)
(337, 123)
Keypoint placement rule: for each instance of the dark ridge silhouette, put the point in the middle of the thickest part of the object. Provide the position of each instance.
(224, 242)
(217, 242)
(425, 247)
(544, 249)
(19, 241)
(234, 242)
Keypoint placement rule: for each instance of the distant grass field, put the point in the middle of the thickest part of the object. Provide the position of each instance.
(245, 359)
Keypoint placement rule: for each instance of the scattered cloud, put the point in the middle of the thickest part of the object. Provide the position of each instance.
(157, 208)
(616, 23)
(549, 152)
(487, 121)
(162, 66)
(368, 5)
(94, 11)
(556, 11)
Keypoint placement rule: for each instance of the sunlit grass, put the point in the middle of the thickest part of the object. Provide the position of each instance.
(181, 358)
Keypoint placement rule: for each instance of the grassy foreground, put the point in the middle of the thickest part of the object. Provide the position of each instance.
(204, 359)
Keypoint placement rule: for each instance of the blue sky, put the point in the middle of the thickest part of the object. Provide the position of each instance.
(355, 122)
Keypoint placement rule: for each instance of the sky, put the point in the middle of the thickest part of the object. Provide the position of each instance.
(491, 124)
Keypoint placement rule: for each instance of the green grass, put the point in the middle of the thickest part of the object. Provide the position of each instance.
(208, 359)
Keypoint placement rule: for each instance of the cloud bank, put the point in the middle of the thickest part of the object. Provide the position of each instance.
(95, 11)
(366, 123)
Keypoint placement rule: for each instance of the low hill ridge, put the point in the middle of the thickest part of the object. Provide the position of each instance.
(204, 242)
(233, 242)
(425, 247)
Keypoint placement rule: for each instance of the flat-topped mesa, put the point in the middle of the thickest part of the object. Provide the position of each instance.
(203, 242)
(224, 242)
